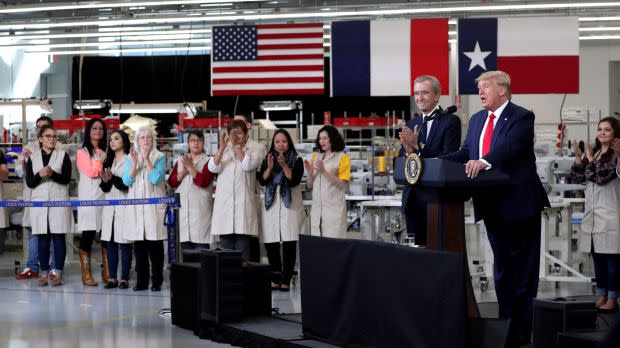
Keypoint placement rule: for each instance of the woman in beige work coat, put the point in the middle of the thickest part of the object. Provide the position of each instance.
(145, 171)
(193, 181)
(328, 172)
(235, 209)
(114, 220)
(284, 217)
(600, 226)
(90, 164)
(48, 173)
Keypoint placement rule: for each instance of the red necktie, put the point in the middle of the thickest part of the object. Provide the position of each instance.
(488, 136)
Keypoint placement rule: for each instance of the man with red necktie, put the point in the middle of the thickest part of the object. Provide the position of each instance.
(502, 137)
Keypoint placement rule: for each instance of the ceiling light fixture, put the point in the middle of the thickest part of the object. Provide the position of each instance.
(103, 5)
(126, 50)
(320, 14)
(105, 34)
(600, 37)
(102, 45)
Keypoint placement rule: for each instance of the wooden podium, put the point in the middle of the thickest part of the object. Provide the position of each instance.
(444, 185)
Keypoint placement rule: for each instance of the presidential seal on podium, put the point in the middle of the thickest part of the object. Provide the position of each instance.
(413, 168)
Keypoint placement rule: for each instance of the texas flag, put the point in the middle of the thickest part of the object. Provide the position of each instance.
(383, 58)
(541, 54)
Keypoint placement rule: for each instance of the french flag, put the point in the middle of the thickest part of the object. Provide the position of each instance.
(383, 58)
(541, 54)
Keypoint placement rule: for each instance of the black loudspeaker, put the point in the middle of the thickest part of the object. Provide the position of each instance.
(184, 293)
(555, 316)
(221, 284)
(256, 289)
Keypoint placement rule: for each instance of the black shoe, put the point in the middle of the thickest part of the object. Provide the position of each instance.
(613, 309)
(111, 284)
(140, 288)
(156, 288)
(123, 284)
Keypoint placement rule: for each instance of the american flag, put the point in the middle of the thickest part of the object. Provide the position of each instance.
(267, 59)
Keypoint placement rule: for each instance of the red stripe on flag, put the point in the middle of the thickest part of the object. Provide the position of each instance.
(268, 92)
(233, 69)
(430, 51)
(290, 56)
(289, 46)
(290, 26)
(267, 80)
(541, 74)
(289, 36)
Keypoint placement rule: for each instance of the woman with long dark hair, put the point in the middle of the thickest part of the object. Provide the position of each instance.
(600, 226)
(48, 173)
(329, 171)
(90, 165)
(114, 221)
(283, 211)
(192, 180)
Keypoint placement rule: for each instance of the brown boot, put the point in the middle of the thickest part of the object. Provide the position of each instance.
(57, 280)
(87, 276)
(105, 270)
(43, 279)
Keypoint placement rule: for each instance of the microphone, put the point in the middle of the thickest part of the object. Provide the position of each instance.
(439, 111)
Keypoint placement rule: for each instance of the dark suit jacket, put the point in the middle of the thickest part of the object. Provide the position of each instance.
(512, 152)
(444, 138)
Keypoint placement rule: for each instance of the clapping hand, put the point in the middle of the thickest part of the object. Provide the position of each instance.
(133, 154)
(45, 172)
(309, 168)
(319, 165)
(106, 175)
(615, 145)
(409, 138)
(282, 160)
(187, 161)
(223, 141)
(589, 152)
(270, 162)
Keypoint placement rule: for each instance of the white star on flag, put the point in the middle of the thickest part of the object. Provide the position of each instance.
(477, 57)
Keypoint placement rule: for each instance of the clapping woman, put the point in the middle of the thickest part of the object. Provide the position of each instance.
(600, 226)
(114, 220)
(283, 209)
(193, 181)
(48, 173)
(90, 164)
(329, 171)
(144, 174)
(235, 209)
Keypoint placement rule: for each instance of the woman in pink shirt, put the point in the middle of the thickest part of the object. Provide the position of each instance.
(90, 164)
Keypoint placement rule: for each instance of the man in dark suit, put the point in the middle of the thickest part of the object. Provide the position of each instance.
(429, 138)
(502, 137)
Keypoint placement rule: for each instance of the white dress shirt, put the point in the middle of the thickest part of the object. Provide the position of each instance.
(498, 114)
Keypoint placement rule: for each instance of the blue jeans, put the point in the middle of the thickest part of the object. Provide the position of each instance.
(238, 242)
(60, 250)
(126, 255)
(33, 252)
(607, 273)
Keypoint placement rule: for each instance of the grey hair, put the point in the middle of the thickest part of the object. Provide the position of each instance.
(435, 85)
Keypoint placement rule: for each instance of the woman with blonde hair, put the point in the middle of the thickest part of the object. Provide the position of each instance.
(144, 174)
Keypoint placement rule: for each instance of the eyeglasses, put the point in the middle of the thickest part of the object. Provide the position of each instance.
(97, 128)
(195, 140)
(50, 136)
